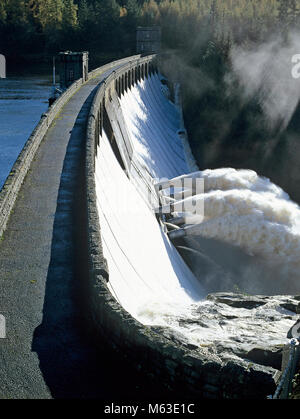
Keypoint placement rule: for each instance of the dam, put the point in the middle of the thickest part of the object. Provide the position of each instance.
(81, 240)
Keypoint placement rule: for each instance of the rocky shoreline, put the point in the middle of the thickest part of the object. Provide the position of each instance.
(239, 327)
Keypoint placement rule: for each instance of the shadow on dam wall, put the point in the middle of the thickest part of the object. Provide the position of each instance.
(74, 364)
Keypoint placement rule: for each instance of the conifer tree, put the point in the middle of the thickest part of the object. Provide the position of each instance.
(84, 13)
(69, 14)
(2, 13)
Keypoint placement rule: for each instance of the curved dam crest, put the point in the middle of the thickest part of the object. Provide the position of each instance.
(86, 235)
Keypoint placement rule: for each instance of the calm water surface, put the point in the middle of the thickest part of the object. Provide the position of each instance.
(22, 101)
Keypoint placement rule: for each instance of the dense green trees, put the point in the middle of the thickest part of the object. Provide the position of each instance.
(109, 25)
(198, 35)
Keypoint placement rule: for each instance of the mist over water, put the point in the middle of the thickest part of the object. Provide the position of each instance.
(265, 72)
(245, 115)
(241, 106)
(250, 237)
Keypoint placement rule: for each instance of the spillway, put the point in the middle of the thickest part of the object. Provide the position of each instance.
(147, 275)
(145, 269)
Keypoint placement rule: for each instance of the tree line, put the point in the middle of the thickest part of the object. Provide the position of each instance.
(197, 37)
(108, 26)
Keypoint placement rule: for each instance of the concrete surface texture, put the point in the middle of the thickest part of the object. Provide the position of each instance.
(46, 352)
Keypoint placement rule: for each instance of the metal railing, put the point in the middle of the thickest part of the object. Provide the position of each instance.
(285, 385)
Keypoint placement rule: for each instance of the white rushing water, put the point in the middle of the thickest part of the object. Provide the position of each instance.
(252, 213)
(146, 273)
(145, 268)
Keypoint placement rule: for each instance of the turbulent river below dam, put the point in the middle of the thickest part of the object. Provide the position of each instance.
(258, 226)
(248, 242)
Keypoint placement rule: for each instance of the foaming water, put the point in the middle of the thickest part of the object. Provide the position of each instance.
(253, 214)
(229, 178)
(248, 242)
(147, 276)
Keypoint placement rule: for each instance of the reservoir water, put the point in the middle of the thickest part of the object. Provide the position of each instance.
(22, 101)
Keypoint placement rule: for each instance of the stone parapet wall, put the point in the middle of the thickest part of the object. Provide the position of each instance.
(12, 185)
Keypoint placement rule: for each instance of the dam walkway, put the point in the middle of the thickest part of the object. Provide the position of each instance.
(46, 352)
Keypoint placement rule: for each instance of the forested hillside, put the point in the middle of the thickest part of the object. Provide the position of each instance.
(232, 57)
(34, 26)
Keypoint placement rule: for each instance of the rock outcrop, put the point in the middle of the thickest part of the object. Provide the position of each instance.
(239, 327)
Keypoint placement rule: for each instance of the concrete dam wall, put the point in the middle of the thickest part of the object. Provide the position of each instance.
(138, 280)
(79, 212)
